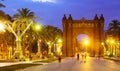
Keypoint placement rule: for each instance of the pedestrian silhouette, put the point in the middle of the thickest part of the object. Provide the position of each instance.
(78, 56)
(59, 58)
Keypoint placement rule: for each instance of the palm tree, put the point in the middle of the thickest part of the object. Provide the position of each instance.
(23, 15)
(21, 23)
(114, 28)
(4, 16)
(2, 5)
(5, 41)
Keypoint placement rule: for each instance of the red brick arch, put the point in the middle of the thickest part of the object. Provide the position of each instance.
(72, 28)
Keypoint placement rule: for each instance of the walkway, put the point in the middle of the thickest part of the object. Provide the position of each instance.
(72, 64)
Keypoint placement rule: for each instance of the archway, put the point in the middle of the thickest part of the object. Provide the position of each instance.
(92, 28)
(82, 43)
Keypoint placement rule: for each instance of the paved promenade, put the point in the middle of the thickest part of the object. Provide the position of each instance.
(72, 64)
(2, 64)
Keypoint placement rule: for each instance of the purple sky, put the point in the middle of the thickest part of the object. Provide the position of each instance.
(51, 11)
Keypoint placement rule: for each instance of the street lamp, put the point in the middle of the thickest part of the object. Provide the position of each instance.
(2, 28)
(37, 28)
(86, 42)
(102, 43)
(112, 41)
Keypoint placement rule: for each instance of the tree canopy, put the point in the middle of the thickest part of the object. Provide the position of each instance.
(114, 28)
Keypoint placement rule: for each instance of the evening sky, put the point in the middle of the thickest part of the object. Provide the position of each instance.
(50, 12)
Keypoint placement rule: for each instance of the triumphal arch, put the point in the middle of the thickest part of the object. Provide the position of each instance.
(72, 28)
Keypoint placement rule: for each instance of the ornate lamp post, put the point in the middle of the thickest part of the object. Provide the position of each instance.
(37, 29)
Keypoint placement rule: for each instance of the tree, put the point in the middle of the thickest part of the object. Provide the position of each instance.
(4, 16)
(51, 34)
(5, 40)
(2, 5)
(114, 28)
(29, 40)
(24, 15)
(21, 24)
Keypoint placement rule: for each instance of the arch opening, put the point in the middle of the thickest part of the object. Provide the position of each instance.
(83, 43)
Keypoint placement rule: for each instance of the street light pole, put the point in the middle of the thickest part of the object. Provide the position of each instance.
(37, 28)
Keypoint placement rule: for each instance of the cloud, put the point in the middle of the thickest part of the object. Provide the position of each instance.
(51, 1)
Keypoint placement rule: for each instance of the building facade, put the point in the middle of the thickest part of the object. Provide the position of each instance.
(72, 28)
